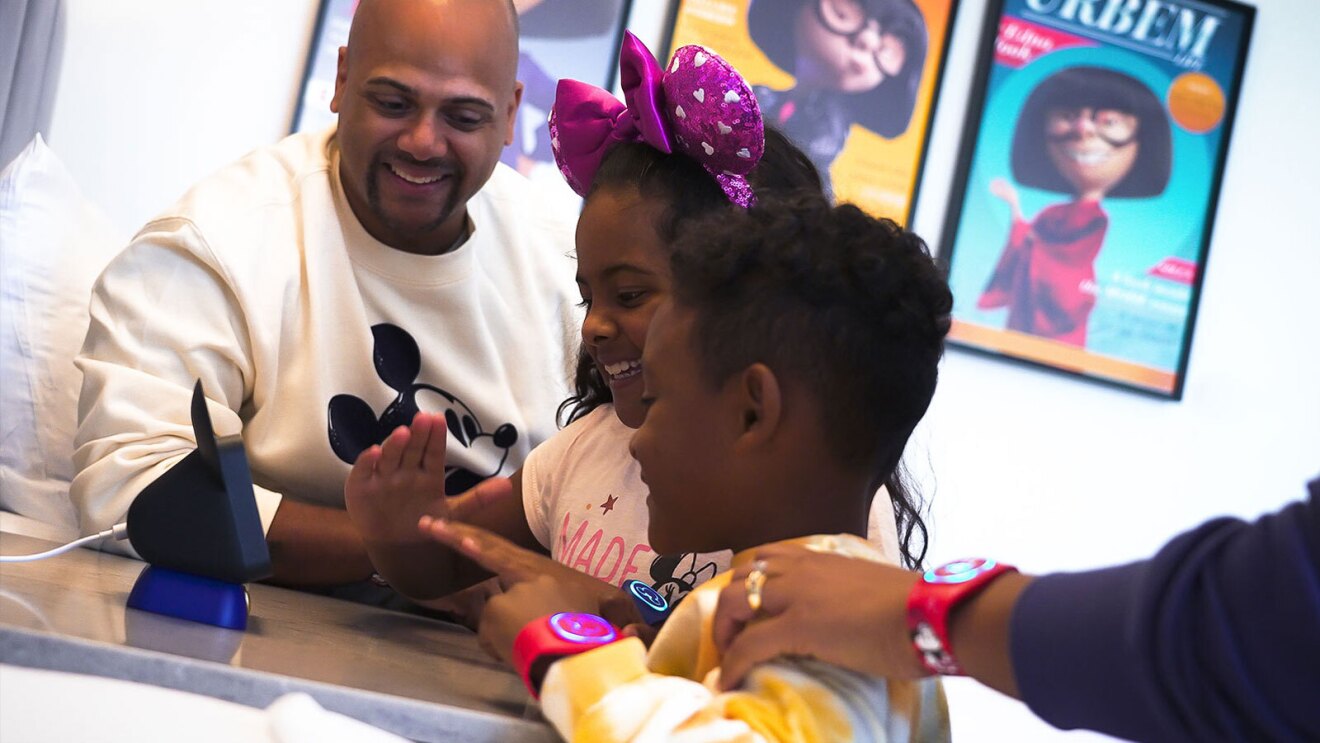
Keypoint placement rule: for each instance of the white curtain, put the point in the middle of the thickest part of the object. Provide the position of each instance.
(31, 46)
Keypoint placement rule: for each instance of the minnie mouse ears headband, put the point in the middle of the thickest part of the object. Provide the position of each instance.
(699, 106)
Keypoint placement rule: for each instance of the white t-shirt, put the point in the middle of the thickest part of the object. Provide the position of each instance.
(585, 502)
(311, 338)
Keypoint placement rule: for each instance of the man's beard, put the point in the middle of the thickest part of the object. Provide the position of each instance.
(453, 171)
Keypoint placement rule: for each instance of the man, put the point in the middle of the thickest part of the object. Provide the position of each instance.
(326, 288)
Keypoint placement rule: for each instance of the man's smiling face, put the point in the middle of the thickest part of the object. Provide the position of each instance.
(425, 105)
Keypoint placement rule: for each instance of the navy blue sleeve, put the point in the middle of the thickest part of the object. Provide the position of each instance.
(1215, 638)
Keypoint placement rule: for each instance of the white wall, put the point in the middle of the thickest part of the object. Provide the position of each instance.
(155, 94)
(1045, 471)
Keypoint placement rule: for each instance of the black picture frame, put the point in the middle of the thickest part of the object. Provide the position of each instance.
(869, 141)
(1109, 132)
(330, 32)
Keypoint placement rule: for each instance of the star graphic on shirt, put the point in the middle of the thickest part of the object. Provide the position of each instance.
(608, 505)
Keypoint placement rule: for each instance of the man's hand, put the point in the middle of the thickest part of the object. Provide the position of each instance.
(534, 585)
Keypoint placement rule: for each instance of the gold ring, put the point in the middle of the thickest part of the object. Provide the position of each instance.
(754, 582)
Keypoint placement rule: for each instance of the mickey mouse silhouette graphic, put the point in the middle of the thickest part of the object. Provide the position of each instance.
(354, 427)
(671, 584)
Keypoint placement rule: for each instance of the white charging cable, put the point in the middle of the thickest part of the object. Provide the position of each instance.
(118, 531)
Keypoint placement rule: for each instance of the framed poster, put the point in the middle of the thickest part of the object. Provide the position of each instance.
(576, 39)
(1080, 219)
(318, 86)
(856, 95)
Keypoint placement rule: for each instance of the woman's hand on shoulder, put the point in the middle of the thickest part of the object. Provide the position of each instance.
(841, 610)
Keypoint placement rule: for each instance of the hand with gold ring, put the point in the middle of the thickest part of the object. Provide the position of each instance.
(841, 610)
(754, 583)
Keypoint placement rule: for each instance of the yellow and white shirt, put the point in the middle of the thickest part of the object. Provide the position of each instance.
(620, 692)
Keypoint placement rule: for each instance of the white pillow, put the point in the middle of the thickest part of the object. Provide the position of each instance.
(53, 245)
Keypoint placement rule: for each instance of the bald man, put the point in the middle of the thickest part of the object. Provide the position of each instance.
(327, 288)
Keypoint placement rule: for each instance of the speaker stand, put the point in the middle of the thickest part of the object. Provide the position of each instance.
(191, 597)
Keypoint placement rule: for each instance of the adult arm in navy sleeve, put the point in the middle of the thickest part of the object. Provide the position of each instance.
(1217, 637)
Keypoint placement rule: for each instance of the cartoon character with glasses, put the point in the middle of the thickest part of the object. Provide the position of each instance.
(1091, 133)
(855, 61)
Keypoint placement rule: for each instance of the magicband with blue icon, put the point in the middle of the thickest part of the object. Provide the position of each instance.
(650, 604)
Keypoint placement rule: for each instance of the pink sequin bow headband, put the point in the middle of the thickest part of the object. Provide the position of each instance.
(700, 106)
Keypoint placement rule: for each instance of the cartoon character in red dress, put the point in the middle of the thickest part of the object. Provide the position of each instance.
(1088, 132)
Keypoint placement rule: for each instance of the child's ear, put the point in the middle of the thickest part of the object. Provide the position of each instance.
(761, 403)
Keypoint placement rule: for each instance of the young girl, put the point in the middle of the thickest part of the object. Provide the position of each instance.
(579, 496)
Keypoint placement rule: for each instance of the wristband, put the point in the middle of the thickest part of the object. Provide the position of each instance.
(932, 601)
(547, 639)
(650, 604)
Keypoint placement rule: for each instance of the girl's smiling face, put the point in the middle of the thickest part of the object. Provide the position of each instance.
(623, 276)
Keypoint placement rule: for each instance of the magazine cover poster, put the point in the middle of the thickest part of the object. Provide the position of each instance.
(1078, 231)
(851, 82)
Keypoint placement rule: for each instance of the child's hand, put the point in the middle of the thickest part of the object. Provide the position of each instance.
(397, 482)
(644, 632)
(391, 486)
(515, 566)
(393, 483)
(507, 613)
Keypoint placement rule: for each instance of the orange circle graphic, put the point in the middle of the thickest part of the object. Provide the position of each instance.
(1196, 102)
